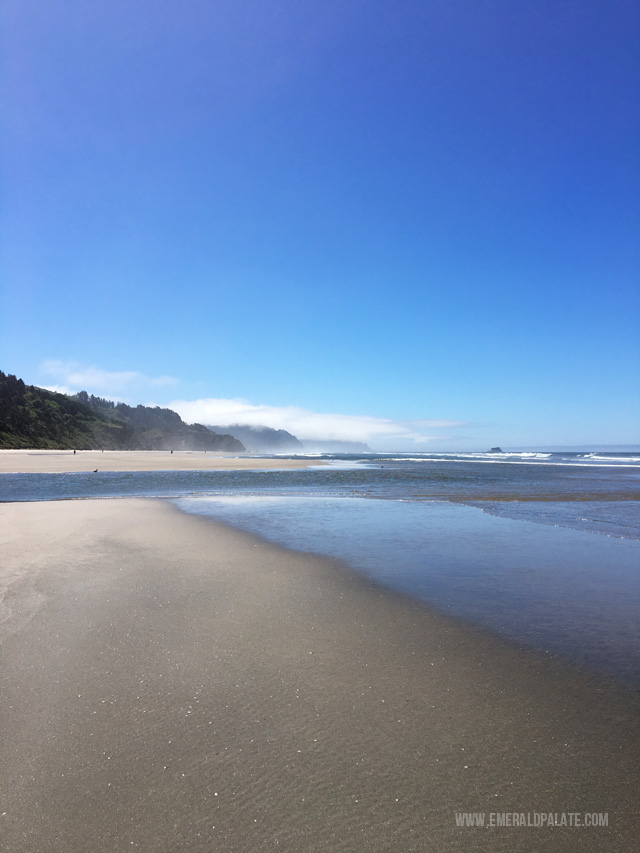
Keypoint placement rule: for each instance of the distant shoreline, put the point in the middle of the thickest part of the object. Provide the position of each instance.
(66, 461)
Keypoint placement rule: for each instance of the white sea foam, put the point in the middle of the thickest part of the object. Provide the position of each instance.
(607, 458)
(591, 460)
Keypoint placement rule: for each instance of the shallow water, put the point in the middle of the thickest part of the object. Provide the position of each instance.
(601, 497)
(542, 548)
(566, 592)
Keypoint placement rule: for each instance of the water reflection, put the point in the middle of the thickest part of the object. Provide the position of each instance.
(564, 591)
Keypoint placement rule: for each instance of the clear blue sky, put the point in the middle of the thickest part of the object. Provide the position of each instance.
(401, 219)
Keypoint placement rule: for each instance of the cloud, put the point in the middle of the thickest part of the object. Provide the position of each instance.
(72, 377)
(130, 386)
(308, 425)
(58, 389)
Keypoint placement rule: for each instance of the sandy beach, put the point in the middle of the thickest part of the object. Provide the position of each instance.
(168, 683)
(66, 461)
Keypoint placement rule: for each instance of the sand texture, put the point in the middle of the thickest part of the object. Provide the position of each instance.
(170, 684)
(66, 461)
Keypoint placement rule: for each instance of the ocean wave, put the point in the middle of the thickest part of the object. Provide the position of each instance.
(525, 458)
(598, 457)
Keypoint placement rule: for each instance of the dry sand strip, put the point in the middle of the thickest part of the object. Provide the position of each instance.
(170, 684)
(66, 461)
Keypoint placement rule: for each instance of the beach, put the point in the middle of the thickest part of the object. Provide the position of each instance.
(169, 683)
(66, 461)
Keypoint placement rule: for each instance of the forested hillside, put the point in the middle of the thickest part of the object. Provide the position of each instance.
(160, 429)
(32, 417)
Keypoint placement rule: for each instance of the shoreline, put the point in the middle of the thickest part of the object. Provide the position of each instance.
(170, 682)
(68, 462)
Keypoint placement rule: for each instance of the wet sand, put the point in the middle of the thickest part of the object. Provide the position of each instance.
(169, 684)
(65, 461)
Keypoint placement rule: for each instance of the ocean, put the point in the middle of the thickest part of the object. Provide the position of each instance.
(542, 548)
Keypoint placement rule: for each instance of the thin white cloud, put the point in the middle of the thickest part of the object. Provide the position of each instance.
(73, 377)
(69, 377)
(309, 426)
(58, 389)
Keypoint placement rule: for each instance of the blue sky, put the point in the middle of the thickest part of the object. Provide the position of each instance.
(409, 223)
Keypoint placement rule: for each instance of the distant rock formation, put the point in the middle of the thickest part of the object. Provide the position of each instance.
(496, 450)
(262, 439)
